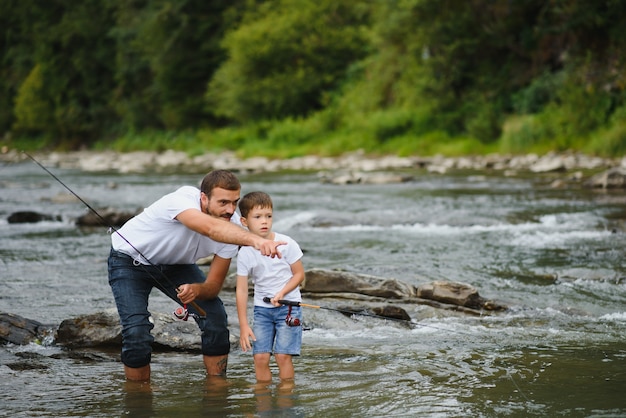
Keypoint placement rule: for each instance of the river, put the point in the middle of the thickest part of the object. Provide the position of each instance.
(554, 255)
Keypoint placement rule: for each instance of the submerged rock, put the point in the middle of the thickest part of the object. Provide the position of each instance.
(30, 217)
(18, 330)
(614, 178)
(108, 217)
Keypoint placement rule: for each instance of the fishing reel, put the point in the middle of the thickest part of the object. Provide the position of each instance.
(182, 313)
(291, 321)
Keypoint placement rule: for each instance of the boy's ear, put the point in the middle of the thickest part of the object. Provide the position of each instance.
(243, 221)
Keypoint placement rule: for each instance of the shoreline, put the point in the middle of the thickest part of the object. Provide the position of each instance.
(178, 161)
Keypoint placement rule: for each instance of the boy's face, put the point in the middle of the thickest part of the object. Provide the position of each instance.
(222, 203)
(259, 221)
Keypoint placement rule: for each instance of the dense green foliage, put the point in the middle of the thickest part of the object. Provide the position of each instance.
(292, 77)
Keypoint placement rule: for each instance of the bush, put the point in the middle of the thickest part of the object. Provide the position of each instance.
(522, 134)
(33, 113)
(610, 141)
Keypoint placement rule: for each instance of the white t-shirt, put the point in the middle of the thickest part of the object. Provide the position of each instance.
(268, 274)
(164, 240)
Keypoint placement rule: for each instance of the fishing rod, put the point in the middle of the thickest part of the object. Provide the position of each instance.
(181, 313)
(361, 313)
(343, 311)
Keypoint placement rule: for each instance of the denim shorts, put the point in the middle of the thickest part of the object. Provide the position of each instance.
(131, 285)
(272, 333)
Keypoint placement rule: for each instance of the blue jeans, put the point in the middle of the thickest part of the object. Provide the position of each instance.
(272, 334)
(131, 285)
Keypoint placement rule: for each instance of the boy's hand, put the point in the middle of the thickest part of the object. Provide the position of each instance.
(245, 336)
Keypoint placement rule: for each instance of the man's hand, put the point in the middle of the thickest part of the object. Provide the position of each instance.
(268, 247)
(187, 293)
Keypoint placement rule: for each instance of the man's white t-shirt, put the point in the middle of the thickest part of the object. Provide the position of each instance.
(268, 274)
(164, 240)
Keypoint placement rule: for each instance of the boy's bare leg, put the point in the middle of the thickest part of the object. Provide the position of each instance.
(285, 366)
(262, 367)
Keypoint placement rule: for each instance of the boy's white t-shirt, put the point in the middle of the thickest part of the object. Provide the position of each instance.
(268, 274)
(164, 240)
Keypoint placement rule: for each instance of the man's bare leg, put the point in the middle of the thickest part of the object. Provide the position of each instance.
(216, 365)
(137, 373)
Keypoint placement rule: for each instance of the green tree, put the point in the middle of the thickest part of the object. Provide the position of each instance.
(166, 54)
(286, 57)
(71, 59)
(18, 20)
(33, 113)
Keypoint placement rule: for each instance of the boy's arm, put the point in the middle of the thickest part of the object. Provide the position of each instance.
(241, 297)
(297, 271)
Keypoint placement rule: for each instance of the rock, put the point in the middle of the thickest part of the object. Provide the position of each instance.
(388, 311)
(30, 217)
(103, 329)
(364, 178)
(391, 311)
(111, 218)
(548, 163)
(205, 261)
(456, 294)
(15, 329)
(167, 161)
(329, 281)
(614, 178)
(28, 361)
(346, 285)
(98, 329)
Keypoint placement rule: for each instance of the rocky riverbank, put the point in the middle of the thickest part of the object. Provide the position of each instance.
(143, 161)
(354, 167)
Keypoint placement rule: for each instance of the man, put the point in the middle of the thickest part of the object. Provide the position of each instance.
(160, 247)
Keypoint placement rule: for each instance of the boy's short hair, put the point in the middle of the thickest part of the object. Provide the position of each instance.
(254, 199)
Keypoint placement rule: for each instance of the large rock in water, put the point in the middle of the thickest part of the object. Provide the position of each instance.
(321, 281)
(15, 329)
(104, 329)
(343, 284)
(30, 217)
(105, 217)
(459, 294)
(614, 178)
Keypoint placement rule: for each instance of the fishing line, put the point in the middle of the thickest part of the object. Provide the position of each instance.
(201, 311)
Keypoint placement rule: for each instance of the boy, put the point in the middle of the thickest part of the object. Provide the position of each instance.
(277, 327)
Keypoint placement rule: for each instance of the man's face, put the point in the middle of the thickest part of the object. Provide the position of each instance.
(222, 203)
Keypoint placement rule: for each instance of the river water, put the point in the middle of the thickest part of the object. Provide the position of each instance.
(555, 256)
